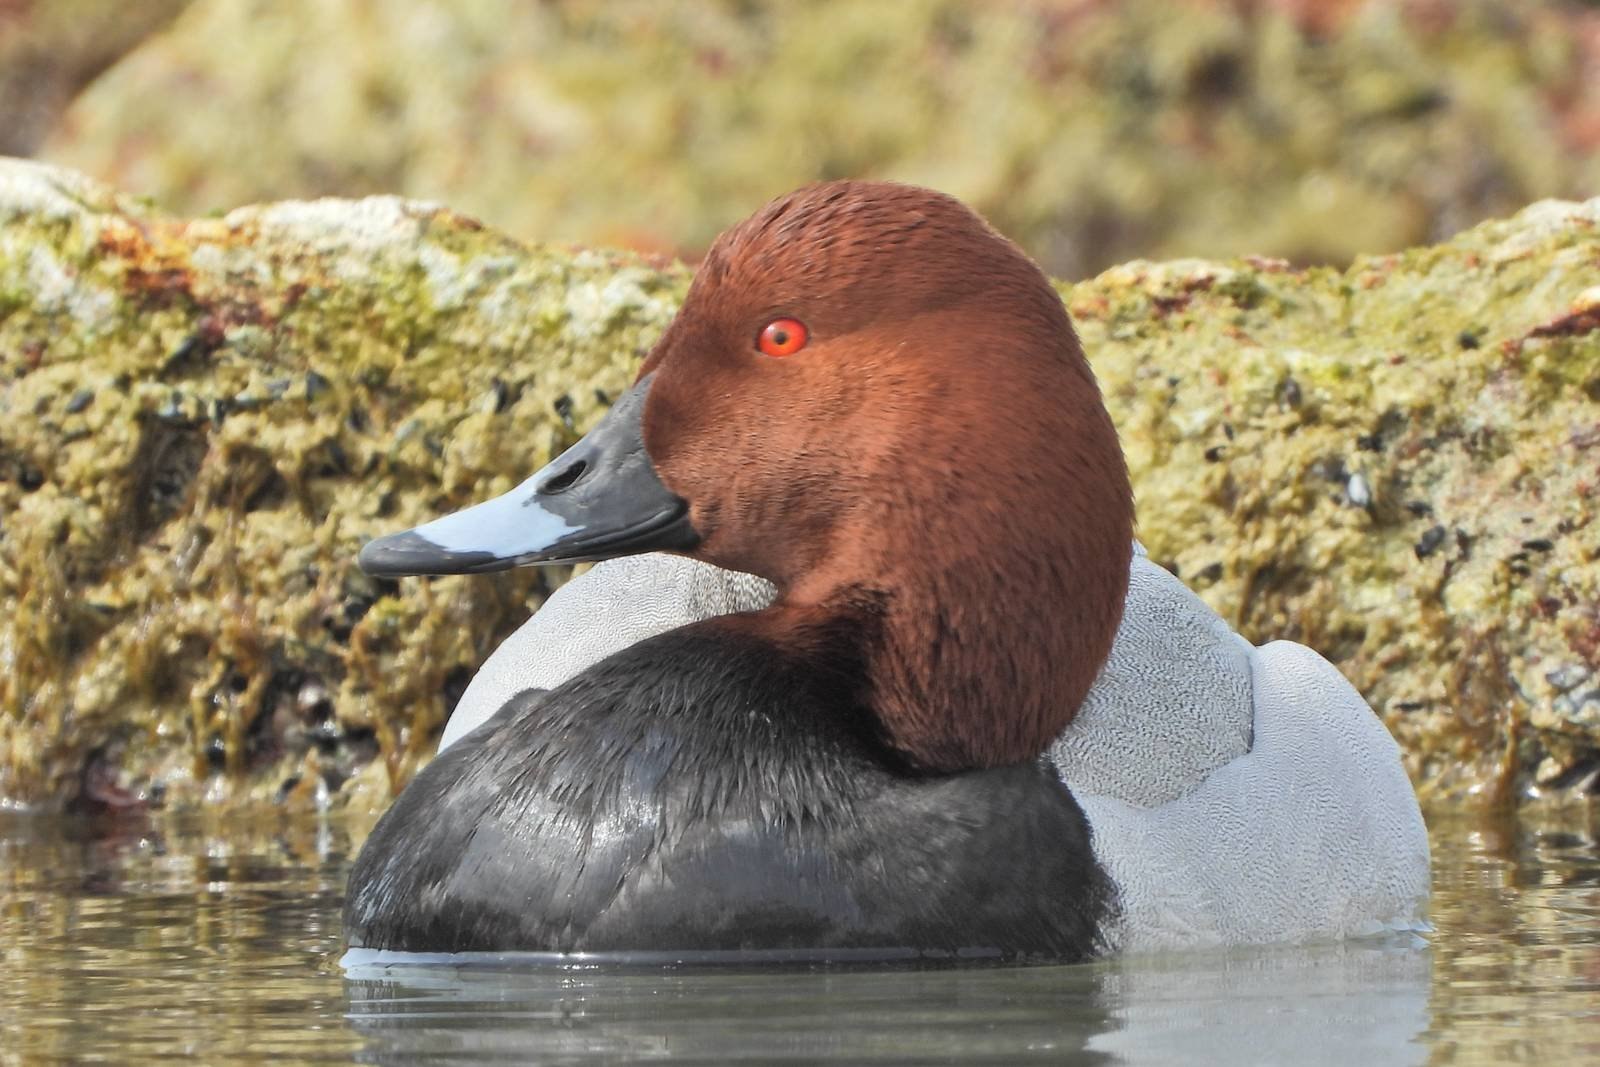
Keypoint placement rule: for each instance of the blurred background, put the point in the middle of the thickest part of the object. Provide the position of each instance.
(1091, 131)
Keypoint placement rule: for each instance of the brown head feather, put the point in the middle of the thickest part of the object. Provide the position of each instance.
(936, 459)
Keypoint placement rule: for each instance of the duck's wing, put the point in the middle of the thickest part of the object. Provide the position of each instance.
(1313, 833)
(615, 604)
(1171, 704)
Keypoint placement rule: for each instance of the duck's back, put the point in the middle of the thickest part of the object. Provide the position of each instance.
(1239, 795)
(1314, 833)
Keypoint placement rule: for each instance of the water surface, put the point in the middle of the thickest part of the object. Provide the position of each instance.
(143, 940)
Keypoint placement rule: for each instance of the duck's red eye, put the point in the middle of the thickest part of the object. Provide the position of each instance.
(782, 337)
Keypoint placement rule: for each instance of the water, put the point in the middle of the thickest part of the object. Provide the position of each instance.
(139, 942)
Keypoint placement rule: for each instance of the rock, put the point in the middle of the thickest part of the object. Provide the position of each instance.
(271, 387)
(1089, 131)
(1463, 598)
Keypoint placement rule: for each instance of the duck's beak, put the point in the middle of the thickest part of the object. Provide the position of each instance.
(600, 499)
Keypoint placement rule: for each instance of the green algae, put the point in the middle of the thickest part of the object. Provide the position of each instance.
(203, 420)
(1090, 131)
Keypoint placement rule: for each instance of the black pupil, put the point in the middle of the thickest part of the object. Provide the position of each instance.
(780, 337)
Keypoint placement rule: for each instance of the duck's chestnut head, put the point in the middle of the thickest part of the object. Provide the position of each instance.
(877, 402)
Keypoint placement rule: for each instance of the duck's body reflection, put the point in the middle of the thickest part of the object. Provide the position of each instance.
(1363, 1002)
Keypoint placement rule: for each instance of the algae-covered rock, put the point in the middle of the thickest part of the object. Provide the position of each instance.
(203, 420)
(1395, 464)
(1090, 131)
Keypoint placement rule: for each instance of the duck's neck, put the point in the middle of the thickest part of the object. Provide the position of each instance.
(967, 665)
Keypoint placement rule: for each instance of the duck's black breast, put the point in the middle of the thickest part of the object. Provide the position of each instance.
(705, 791)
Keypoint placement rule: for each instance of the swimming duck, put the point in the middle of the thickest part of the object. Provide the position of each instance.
(885, 698)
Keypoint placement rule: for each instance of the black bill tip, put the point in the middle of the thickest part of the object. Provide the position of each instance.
(398, 555)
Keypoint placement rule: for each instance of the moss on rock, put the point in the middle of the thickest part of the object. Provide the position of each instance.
(203, 420)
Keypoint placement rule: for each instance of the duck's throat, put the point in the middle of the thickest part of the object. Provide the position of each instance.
(963, 663)
(965, 674)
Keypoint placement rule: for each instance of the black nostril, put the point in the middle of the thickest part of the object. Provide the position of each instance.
(563, 480)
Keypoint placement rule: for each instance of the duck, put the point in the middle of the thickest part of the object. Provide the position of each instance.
(870, 665)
